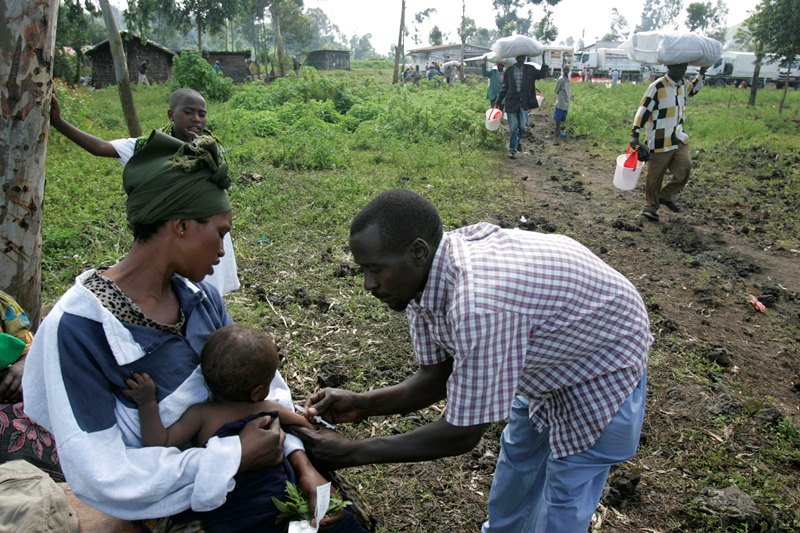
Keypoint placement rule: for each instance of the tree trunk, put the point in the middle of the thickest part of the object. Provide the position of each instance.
(785, 85)
(199, 37)
(754, 82)
(121, 71)
(79, 60)
(26, 68)
(398, 51)
(276, 26)
(463, 41)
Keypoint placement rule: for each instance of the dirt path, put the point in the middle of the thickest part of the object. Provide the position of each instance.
(717, 362)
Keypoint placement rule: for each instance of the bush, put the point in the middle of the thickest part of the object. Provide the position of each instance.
(190, 70)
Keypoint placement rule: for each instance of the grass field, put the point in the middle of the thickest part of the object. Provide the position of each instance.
(315, 148)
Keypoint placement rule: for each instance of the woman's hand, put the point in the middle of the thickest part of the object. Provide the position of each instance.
(11, 382)
(262, 443)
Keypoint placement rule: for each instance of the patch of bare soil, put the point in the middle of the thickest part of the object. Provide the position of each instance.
(721, 373)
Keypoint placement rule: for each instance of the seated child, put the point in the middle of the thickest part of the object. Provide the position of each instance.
(238, 365)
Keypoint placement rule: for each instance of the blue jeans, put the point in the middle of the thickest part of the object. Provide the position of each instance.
(517, 128)
(534, 493)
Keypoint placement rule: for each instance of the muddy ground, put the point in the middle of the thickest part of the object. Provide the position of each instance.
(723, 376)
(721, 372)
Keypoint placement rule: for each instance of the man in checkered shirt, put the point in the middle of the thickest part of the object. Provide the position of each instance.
(661, 113)
(505, 324)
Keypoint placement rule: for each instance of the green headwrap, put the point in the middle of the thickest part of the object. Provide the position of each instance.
(170, 179)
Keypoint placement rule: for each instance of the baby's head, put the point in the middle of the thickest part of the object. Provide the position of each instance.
(239, 363)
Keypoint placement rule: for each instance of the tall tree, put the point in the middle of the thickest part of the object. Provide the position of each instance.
(121, 71)
(509, 21)
(76, 29)
(323, 32)
(707, 18)
(419, 19)
(361, 47)
(747, 36)
(776, 23)
(26, 62)
(620, 29)
(659, 14)
(206, 15)
(466, 30)
(435, 37)
(398, 51)
(545, 29)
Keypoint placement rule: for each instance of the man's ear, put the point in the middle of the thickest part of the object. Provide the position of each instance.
(169, 114)
(420, 250)
(258, 393)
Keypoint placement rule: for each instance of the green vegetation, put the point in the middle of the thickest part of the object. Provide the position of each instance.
(190, 69)
(295, 507)
(308, 150)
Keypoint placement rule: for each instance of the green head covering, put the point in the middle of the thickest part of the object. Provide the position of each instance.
(169, 179)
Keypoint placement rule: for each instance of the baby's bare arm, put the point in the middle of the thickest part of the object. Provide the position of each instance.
(287, 417)
(143, 391)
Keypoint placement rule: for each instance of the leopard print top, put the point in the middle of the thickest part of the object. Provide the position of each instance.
(123, 308)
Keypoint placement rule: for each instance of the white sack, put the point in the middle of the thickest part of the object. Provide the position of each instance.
(491, 57)
(669, 48)
(517, 45)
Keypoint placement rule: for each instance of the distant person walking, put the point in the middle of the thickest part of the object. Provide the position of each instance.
(519, 94)
(495, 77)
(562, 101)
(217, 68)
(661, 114)
(143, 66)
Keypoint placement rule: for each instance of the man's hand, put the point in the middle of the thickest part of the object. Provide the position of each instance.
(329, 449)
(334, 405)
(634, 142)
(141, 388)
(262, 443)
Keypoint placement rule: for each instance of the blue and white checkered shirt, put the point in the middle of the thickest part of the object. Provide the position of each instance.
(536, 315)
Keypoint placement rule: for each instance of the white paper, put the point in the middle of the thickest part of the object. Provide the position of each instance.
(323, 500)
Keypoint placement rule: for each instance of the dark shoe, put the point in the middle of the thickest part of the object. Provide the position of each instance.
(650, 215)
(511, 155)
(672, 206)
(519, 148)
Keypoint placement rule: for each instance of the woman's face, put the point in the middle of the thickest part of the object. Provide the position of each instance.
(201, 246)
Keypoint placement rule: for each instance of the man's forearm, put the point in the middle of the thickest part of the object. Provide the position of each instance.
(426, 387)
(432, 441)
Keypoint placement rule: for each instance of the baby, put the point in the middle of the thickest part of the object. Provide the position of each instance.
(238, 365)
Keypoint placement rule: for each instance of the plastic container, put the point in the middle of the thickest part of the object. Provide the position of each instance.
(539, 99)
(628, 170)
(493, 116)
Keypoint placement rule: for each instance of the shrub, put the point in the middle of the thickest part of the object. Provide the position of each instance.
(190, 70)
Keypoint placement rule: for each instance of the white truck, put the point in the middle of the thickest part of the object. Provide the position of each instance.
(602, 60)
(733, 68)
(794, 75)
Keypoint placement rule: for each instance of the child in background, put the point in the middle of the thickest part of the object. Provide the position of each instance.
(187, 120)
(562, 100)
(238, 365)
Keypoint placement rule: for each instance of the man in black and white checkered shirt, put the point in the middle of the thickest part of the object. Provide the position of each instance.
(661, 114)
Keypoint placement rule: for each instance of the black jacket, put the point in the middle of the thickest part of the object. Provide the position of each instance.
(526, 97)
